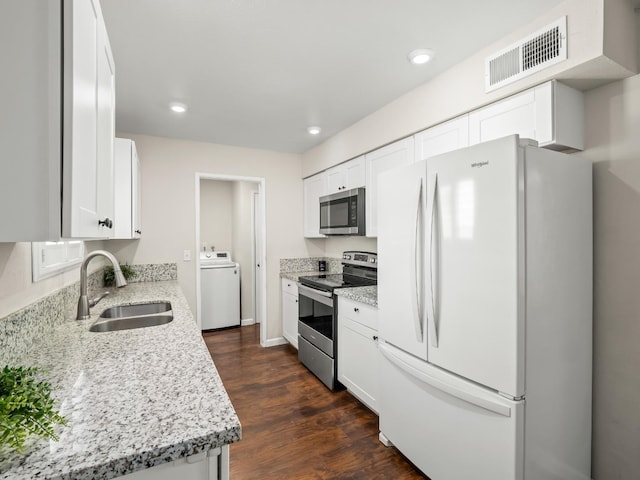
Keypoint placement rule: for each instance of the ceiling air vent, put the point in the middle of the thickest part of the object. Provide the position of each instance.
(531, 54)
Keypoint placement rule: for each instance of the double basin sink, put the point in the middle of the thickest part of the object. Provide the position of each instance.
(126, 317)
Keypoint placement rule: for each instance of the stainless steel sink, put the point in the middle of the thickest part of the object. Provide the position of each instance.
(136, 310)
(126, 317)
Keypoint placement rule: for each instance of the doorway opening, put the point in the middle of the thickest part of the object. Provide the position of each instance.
(230, 217)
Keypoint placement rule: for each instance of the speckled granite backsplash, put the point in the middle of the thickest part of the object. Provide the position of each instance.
(19, 329)
(334, 265)
(155, 272)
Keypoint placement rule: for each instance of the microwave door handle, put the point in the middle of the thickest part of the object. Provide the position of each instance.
(432, 187)
(415, 288)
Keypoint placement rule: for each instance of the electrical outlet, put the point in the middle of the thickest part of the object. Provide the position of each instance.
(187, 256)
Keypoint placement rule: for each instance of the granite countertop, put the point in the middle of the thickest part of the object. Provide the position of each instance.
(296, 275)
(368, 295)
(133, 398)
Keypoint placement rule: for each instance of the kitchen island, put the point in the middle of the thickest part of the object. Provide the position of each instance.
(134, 399)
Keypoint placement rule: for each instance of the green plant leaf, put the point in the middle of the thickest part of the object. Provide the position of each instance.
(26, 407)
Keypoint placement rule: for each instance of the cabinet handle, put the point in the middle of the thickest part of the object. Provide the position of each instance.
(375, 337)
(296, 300)
(139, 232)
(356, 309)
(107, 222)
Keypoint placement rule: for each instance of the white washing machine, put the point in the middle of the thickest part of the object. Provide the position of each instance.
(219, 290)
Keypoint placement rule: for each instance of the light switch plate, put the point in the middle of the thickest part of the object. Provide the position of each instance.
(187, 256)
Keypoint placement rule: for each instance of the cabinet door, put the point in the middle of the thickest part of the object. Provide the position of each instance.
(358, 360)
(347, 175)
(394, 155)
(516, 114)
(336, 179)
(355, 173)
(442, 138)
(127, 187)
(551, 113)
(290, 312)
(123, 182)
(88, 123)
(106, 121)
(30, 120)
(136, 194)
(314, 187)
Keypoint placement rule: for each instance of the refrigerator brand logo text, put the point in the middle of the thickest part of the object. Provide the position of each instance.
(479, 164)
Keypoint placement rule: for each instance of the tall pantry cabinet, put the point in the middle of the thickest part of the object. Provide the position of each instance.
(58, 121)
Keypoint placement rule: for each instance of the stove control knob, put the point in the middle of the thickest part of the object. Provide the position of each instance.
(346, 257)
(372, 260)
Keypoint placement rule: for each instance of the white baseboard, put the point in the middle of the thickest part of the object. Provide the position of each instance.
(247, 321)
(273, 342)
(384, 440)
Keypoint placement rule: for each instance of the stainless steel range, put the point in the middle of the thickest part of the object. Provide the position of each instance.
(318, 313)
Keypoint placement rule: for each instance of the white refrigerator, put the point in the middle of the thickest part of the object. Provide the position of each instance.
(485, 311)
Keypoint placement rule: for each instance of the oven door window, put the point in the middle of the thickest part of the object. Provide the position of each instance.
(316, 315)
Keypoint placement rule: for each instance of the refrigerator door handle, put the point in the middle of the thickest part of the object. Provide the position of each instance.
(443, 386)
(415, 300)
(432, 187)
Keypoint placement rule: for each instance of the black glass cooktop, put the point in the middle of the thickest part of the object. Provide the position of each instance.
(335, 280)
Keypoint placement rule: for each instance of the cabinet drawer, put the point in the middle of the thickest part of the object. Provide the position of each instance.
(289, 286)
(366, 315)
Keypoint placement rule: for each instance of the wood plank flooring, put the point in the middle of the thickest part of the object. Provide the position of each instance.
(293, 427)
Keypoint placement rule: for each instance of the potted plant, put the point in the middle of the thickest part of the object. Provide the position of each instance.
(26, 407)
(109, 277)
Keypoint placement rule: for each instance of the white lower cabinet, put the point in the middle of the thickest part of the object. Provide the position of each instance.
(213, 465)
(290, 311)
(358, 350)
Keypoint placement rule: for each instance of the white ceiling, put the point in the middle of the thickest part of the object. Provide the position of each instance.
(256, 73)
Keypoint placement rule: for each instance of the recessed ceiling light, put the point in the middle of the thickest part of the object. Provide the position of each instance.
(420, 56)
(178, 107)
(314, 130)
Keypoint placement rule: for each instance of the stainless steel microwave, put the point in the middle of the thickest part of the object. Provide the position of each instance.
(343, 213)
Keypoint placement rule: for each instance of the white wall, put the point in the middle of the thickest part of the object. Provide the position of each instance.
(613, 144)
(168, 204)
(216, 215)
(243, 243)
(16, 288)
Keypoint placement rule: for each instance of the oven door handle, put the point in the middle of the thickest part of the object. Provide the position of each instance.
(317, 295)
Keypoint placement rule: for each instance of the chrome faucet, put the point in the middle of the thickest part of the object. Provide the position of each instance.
(83, 302)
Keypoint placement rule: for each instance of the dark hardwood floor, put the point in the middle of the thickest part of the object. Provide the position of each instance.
(293, 427)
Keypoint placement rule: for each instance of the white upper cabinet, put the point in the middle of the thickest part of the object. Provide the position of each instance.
(442, 138)
(126, 221)
(56, 107)
(394, 155)
(88, 151)
(551, 113)
(347, 175)
(314, 187)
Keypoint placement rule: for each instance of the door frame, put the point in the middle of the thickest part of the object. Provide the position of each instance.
(260, 235)
(255, 245)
